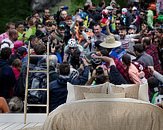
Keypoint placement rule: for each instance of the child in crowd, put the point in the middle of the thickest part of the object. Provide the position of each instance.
(16, 67)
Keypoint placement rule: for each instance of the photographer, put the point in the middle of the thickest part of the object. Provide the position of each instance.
(115, 76)
(99, 76)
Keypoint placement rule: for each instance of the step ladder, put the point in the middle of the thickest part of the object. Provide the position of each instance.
(36, 89)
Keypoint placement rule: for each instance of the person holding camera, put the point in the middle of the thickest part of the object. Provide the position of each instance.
(99, 76)
(115, 76)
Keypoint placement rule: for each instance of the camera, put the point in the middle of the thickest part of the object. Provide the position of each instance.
(89, 38)
(45, 39)
(99, 71)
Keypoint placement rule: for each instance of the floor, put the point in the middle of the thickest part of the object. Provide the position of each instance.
(17, 126)
(12, 121)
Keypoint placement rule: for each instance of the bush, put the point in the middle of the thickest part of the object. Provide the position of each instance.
(13, 10)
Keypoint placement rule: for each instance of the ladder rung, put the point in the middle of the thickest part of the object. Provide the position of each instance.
(37, 89)
(40, 71)
(36, 105)
(37, 55)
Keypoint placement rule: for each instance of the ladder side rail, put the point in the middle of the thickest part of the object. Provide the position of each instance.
(26, 86)
(47, 109)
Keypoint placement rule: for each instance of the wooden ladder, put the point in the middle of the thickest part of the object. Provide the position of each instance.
(36, 89)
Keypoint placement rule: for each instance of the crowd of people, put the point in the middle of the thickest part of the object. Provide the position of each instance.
(99, 43)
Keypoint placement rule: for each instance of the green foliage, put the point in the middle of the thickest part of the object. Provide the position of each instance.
(75, 4)
(12, 11)
(17, 10)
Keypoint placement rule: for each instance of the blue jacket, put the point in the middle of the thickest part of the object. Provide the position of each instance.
(7, 80)
(58, 88)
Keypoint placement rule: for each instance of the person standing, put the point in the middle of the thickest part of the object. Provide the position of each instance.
(7, 77)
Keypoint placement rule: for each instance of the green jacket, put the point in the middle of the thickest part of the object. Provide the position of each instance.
(31, 31)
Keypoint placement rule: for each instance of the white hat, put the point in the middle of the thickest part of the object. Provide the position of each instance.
(124, 10)
(110, 42)
(134, 8)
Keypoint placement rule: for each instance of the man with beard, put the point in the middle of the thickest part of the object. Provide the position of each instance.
(128, 41)
(46, 15)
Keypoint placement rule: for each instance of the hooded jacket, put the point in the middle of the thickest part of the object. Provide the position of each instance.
(58, 92)
(58, 88)
(7, 80)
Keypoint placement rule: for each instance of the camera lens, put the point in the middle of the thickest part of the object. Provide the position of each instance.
(99, 70)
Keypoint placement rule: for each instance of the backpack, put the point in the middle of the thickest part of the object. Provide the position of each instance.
(37, 80)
